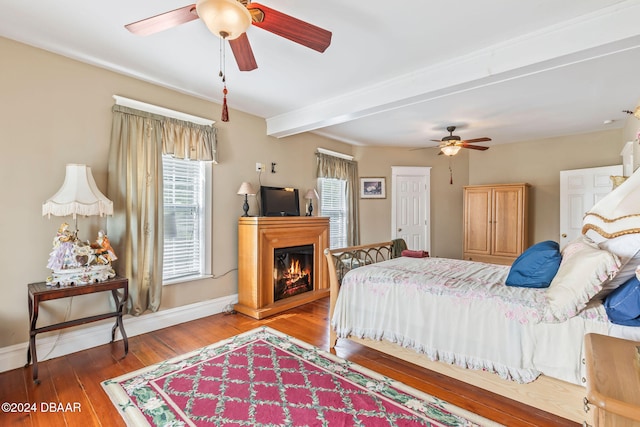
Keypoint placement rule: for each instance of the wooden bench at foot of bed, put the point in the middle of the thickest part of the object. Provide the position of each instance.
(548, 394)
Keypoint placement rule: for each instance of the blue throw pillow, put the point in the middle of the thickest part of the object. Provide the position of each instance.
(623, 304)
(536, 267)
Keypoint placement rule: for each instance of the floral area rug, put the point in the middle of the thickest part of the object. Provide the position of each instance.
(266, 378)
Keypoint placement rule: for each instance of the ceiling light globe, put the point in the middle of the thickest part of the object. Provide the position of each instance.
(450, 150)
(225, 18)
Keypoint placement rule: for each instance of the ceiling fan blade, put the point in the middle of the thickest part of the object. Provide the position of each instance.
(163, 21)
(485, 139)
(243, 53)
(475, 147)
(291, 28)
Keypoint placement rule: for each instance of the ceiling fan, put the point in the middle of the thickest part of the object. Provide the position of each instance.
(451, 144)
(230, 19)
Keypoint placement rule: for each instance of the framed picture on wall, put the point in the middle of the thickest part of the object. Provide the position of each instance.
(372, 188)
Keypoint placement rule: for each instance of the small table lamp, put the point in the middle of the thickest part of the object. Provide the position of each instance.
(311, 194)
(246, 189)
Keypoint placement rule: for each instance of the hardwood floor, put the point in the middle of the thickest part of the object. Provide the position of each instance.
(74, 380)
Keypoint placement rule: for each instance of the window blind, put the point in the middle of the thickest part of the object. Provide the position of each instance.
(183, 218)
(333, 204)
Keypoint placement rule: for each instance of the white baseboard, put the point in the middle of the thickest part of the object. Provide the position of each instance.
(76, 339)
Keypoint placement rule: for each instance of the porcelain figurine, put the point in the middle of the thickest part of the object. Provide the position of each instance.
(77, 263)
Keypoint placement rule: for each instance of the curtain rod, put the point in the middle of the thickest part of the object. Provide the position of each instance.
(334, 153)
(150, 108)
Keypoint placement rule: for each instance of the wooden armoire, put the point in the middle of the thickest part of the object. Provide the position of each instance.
(495, 222)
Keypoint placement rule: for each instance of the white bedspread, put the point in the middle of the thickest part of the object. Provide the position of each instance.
(461, 312)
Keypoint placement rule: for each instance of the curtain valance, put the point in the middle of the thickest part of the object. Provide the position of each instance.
(329, 166)
(181, 139)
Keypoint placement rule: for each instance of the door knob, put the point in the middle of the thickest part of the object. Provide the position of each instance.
(399, 229)
(564, 235)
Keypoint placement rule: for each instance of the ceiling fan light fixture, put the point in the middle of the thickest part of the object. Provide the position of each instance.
(635, 113)
(450, 150)
(228, 19)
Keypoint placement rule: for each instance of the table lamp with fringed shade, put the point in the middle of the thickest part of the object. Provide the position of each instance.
(72, 261)
(79, 195)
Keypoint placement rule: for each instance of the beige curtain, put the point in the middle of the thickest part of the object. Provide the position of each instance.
(138, 140)
(185, 140)
(335, 167)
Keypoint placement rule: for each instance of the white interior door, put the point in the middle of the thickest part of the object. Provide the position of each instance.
(580, 189)
(410, 200)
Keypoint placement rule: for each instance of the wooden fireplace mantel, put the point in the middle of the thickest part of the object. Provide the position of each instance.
(258, 237)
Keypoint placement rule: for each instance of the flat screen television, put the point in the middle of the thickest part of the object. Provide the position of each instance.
(279, 201)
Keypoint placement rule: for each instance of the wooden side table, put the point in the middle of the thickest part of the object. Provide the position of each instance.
(39, 292)
(613, 380)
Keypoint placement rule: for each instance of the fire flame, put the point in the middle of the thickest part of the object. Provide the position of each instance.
(294, 268)
(292, 279)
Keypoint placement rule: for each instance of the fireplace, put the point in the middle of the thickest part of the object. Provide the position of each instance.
(292, 271)
(281, 264)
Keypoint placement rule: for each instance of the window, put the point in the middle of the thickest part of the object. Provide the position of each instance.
(187, 210)
(333, 204)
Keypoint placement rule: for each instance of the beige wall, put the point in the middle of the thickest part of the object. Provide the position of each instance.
(446, 198)
(55, 111)
(539, 163)
(536, 162)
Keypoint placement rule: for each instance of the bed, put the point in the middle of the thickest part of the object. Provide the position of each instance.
(460, 318)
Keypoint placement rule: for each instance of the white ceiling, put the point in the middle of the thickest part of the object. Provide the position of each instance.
(396, 73)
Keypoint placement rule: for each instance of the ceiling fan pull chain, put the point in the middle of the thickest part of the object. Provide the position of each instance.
(223, 75)
(450, 172)
(222, 59)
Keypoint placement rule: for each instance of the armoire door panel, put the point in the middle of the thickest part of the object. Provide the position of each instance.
(477, 222)
(507, 239)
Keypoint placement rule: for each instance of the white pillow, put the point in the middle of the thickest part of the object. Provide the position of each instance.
(583, 270)
(618, 212)
(594, 236)
(627, 248)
